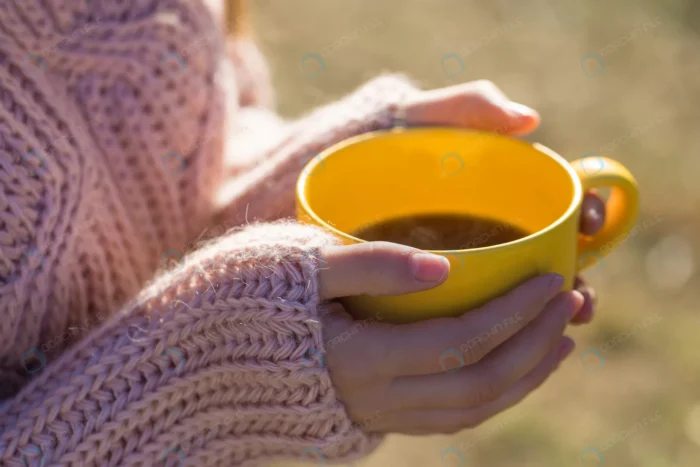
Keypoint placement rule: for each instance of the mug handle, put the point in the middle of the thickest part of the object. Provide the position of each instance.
(621, 208)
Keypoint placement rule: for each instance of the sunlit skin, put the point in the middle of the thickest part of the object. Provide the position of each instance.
(391, 374)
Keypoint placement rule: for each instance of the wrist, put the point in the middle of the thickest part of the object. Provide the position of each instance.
(389, 95)
(411, 111)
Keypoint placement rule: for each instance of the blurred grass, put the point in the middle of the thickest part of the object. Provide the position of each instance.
(642, 108)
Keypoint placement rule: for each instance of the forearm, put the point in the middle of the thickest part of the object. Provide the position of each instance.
(206, 364)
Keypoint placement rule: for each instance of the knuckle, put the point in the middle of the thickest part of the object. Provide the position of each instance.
(476, 348)
(486, 85)
(347, 374)
(372, 247)
(487, 388)
(381, 254)
(330, 308)
(384, 268)
(384, 344)
(473, 353)
(380, 247)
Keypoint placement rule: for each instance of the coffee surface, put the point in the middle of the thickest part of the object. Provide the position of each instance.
(443, 231)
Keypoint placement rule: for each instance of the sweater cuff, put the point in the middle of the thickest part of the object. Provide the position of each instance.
(210, 365)
(374, 106)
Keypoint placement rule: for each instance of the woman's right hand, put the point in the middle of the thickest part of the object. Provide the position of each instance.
(390, 377)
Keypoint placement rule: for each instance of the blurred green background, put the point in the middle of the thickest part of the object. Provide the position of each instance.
(631, 390)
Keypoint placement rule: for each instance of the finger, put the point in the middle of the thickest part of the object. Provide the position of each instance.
(431, 346)
(529, 383)
(489, 109)
(585, 315)
(592, 214)
(487, 380)
(447, 421)
(379, 268)
(479, 104)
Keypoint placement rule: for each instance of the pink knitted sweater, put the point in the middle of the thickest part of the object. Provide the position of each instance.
(129, 132)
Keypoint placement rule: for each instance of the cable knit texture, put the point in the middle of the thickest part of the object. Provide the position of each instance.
(130, 135)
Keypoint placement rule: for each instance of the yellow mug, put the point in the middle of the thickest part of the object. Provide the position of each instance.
(404, 172)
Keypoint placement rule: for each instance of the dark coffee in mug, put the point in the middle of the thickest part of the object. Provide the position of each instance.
(442, 231)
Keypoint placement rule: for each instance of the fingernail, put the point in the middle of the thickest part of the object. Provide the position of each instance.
(427, 267)
(592, 213)
(520, 110)
(565, 349)
(579, 300)
(556, 282)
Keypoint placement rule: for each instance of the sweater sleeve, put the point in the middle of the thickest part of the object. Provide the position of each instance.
(280, 150)
(213, 364)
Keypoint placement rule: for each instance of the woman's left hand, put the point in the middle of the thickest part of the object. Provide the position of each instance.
(481, 105)
(592, 219)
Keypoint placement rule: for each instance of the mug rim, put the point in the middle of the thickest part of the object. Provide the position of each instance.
(328, 152)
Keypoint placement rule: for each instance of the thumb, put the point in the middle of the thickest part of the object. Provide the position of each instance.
(379, 268)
